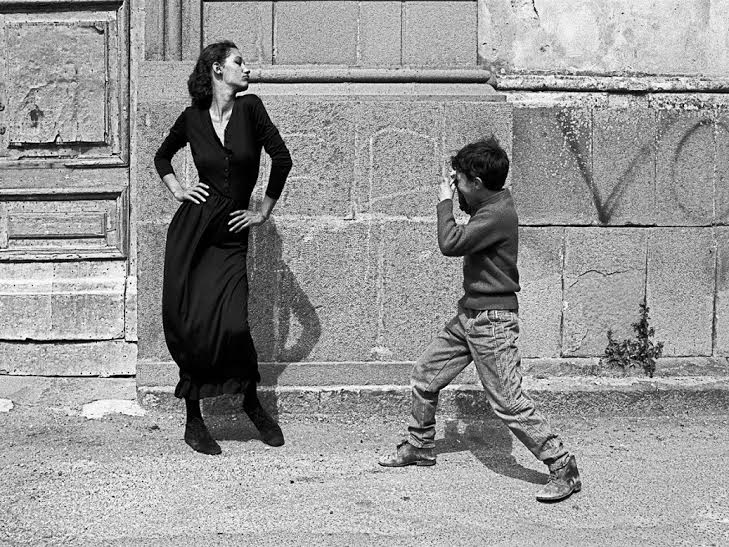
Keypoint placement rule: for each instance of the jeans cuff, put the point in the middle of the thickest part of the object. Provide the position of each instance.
(420, 444)
(558, 463)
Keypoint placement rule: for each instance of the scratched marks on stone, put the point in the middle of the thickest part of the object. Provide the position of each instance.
(57, 82)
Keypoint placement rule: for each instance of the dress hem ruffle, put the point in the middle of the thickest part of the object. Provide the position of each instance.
(189, 389)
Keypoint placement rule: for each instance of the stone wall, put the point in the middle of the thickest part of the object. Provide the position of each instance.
(67, 299)
(629, 191)
(615, 114)
(348, 270)
(618, 169)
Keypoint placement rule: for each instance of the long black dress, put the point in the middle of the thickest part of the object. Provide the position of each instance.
(205, 288)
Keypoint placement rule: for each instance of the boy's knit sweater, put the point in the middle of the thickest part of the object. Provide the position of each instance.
(489, 245)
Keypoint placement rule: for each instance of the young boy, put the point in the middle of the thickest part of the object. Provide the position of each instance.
(486, 327)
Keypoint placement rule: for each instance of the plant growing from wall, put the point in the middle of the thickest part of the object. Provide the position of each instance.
(634, 352)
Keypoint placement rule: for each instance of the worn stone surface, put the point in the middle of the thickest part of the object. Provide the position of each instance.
(685, 167)
(623, 153)
(60, 95)
(248, 24)
(130, 309)
(571, 396)
(398, 157)
(604, 283)
(541, 253)
(605, 36)
(418, 288)
(72, 301)
(312, 290)
(105, 358)
(680, 289)
(440, 33)
(320, 136)
(551, 169)
(721, 173)
(96, 410)
(380, 33)
(66, 395)
(151, 238)
(46, 224)
(317, 32)
(721, 307)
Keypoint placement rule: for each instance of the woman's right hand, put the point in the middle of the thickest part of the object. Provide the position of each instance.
(196, 194)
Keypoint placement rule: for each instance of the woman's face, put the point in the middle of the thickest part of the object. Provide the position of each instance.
(234, 71)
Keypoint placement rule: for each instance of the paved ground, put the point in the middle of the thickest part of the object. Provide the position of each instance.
(126, 480)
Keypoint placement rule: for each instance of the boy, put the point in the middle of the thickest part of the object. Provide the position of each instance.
(486, 327)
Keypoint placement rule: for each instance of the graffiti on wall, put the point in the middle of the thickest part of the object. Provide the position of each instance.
(682, 140)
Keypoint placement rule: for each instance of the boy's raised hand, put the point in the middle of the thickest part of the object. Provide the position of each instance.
(447, 187)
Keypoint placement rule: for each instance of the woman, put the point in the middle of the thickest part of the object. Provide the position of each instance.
(205, 289)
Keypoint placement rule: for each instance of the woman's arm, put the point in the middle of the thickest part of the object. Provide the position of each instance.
(268, 136)
(274, 146)
(176, 139)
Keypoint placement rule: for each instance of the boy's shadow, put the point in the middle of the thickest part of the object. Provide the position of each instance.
(489, 440)
(284, 325)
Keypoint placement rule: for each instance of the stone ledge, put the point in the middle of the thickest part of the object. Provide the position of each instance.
(378, 373)
(567, 395)
(610, 83)
(63, 394)
(554, 396)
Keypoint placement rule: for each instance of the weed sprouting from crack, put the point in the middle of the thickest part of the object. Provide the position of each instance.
(639, 352)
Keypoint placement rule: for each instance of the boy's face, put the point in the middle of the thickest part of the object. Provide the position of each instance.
(466, 189)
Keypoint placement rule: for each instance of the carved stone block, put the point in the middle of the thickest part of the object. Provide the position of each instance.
(56, 82)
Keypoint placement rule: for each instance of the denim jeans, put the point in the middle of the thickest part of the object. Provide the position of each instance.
(488, 337)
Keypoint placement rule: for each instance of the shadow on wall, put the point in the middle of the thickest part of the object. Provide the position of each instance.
(284, 325)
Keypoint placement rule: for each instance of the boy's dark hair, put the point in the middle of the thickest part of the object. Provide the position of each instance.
(200, 83)
(484, 159)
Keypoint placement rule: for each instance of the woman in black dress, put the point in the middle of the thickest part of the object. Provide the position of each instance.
(205, 289)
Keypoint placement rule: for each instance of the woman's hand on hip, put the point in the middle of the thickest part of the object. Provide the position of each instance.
(242, 219)
(196, 194)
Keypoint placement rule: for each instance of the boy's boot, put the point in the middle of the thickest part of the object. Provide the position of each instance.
(407, 454)
(199, 438)
(564, 480)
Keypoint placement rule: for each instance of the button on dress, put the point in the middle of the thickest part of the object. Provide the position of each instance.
(205, 286)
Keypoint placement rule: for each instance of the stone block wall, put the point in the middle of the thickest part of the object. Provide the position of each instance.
(348, 270)
(634, 186)
(614, 112)
(618, 169)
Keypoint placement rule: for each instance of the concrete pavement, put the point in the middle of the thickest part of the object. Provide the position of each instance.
(126, 480)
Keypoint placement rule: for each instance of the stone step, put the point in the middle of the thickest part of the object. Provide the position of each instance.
(629, 396)
(559, 395)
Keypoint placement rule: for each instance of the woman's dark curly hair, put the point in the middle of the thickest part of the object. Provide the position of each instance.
(200, 84)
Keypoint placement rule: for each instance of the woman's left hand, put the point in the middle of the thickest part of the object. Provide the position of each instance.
(242, 219)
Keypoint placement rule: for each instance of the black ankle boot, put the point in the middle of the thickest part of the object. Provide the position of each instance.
(564, 480)
(270, 431)
(199, 438)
